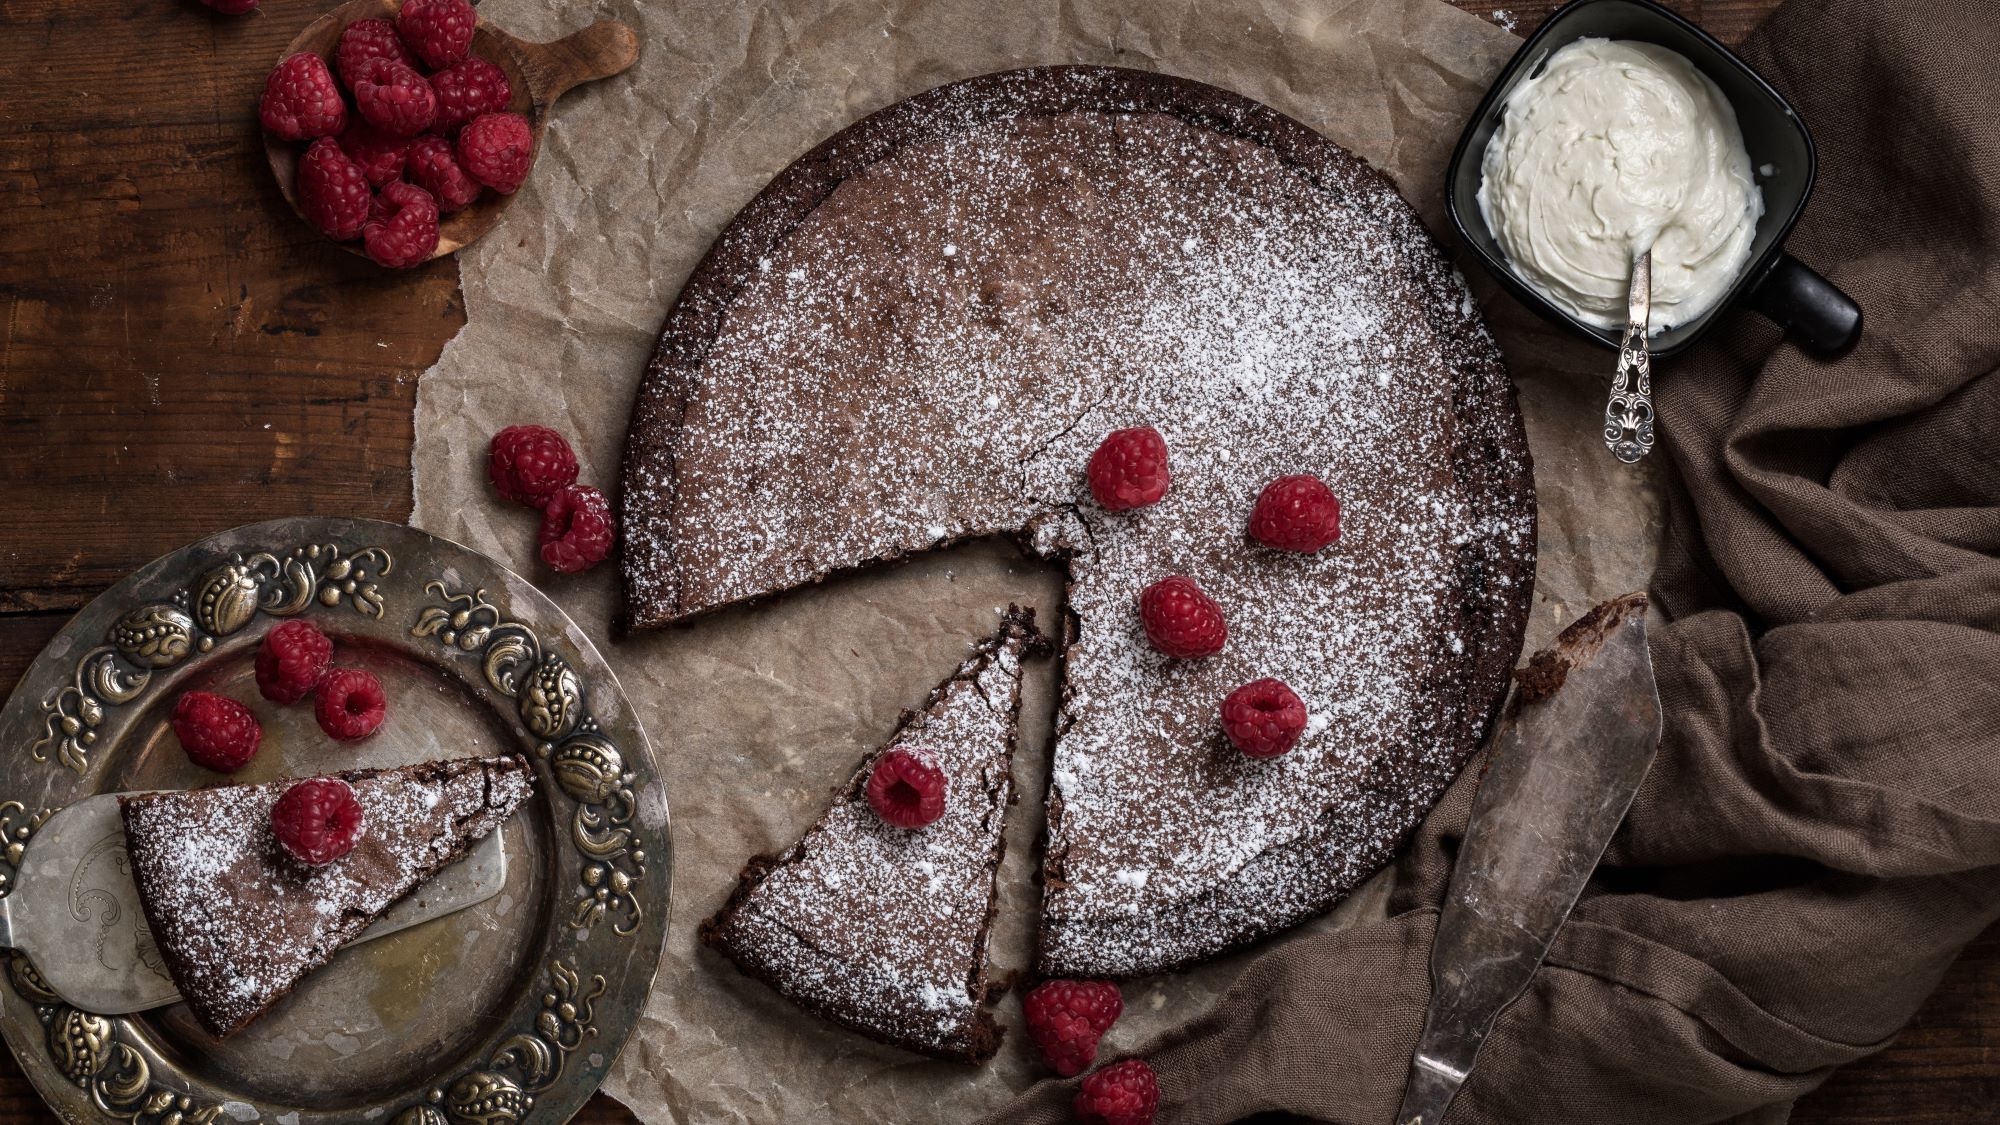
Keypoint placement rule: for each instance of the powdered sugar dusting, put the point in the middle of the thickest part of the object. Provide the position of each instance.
(882, 928)
(240, 922)
(870, 396)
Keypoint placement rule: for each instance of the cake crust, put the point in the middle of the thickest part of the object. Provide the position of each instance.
(1127, 891)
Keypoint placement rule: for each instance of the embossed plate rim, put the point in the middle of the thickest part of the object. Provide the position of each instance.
(447, 606)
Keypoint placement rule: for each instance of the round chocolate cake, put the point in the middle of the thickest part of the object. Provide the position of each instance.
(919, 332)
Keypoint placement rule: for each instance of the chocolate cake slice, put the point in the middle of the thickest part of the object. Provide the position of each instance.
(239, 922)
(882, 929)
(918, 333)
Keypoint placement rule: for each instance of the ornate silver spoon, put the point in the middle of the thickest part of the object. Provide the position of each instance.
(1628, 414)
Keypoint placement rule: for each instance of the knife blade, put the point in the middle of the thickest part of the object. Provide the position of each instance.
(74, 909)
(1564, 763)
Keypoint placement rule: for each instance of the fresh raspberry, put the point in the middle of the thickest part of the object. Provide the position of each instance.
(1067, 1017)
(439, 31)
(217, 732)
(467, 90)
(349, 704)
(1296, 513)
(1180, 620)
(1123, 1093)
(434, 167)
(333, 190)
(291, 661)
(529, 464)
(497, 149)
(577, 529)
(233, 7)
(364, 41)
(405, 232)
(1129, 470)
(301, 101)
(1263, 718)
(317, 820)
(379, 154)
(906, 788)
(394, 98)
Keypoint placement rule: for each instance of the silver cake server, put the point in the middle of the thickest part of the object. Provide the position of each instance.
(1564, 764)
(1628, 413)
(74, 909)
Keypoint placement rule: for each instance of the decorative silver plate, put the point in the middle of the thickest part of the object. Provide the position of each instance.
(509, 1011)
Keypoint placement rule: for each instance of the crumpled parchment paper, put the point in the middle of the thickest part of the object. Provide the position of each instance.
(757, 715)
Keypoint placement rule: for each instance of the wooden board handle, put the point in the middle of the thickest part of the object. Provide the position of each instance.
(599, 51)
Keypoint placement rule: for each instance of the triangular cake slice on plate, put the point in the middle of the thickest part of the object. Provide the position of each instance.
(239, 922)
(883, 929)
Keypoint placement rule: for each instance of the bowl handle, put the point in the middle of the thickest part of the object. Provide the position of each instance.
(1810, 309)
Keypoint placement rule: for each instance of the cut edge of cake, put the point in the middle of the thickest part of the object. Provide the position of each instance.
(808, 976)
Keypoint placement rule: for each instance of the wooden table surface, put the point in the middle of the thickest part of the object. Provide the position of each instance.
(181, 355)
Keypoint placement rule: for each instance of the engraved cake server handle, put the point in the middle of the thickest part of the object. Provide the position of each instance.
(1628, 414)
(73, 909)
(1565, 761)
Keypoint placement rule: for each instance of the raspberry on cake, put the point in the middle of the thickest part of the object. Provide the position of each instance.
(318, 820)
(1129, 470)
(880, 929)
(1296, 513)
(217, 732)
(1128, 246)
(1180, 620)
(1263, 718)
(906, 788)
(239, 922)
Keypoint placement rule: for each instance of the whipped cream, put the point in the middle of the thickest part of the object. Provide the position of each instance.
(1613, 148)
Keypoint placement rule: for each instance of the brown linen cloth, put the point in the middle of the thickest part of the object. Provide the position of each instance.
(1820, 834)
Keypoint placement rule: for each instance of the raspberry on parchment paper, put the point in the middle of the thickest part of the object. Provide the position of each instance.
(529, 464)
(577, 529)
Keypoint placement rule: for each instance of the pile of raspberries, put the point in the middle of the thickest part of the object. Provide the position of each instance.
(1298, 514)
(406, 125)
(316, 821)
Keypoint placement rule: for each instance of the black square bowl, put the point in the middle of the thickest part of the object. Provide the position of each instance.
(1818, 316)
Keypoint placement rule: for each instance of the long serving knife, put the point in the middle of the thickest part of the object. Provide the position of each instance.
(1563, 766)
(74, 910)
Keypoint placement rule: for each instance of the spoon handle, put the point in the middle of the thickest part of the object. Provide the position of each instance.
(1628, 414)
